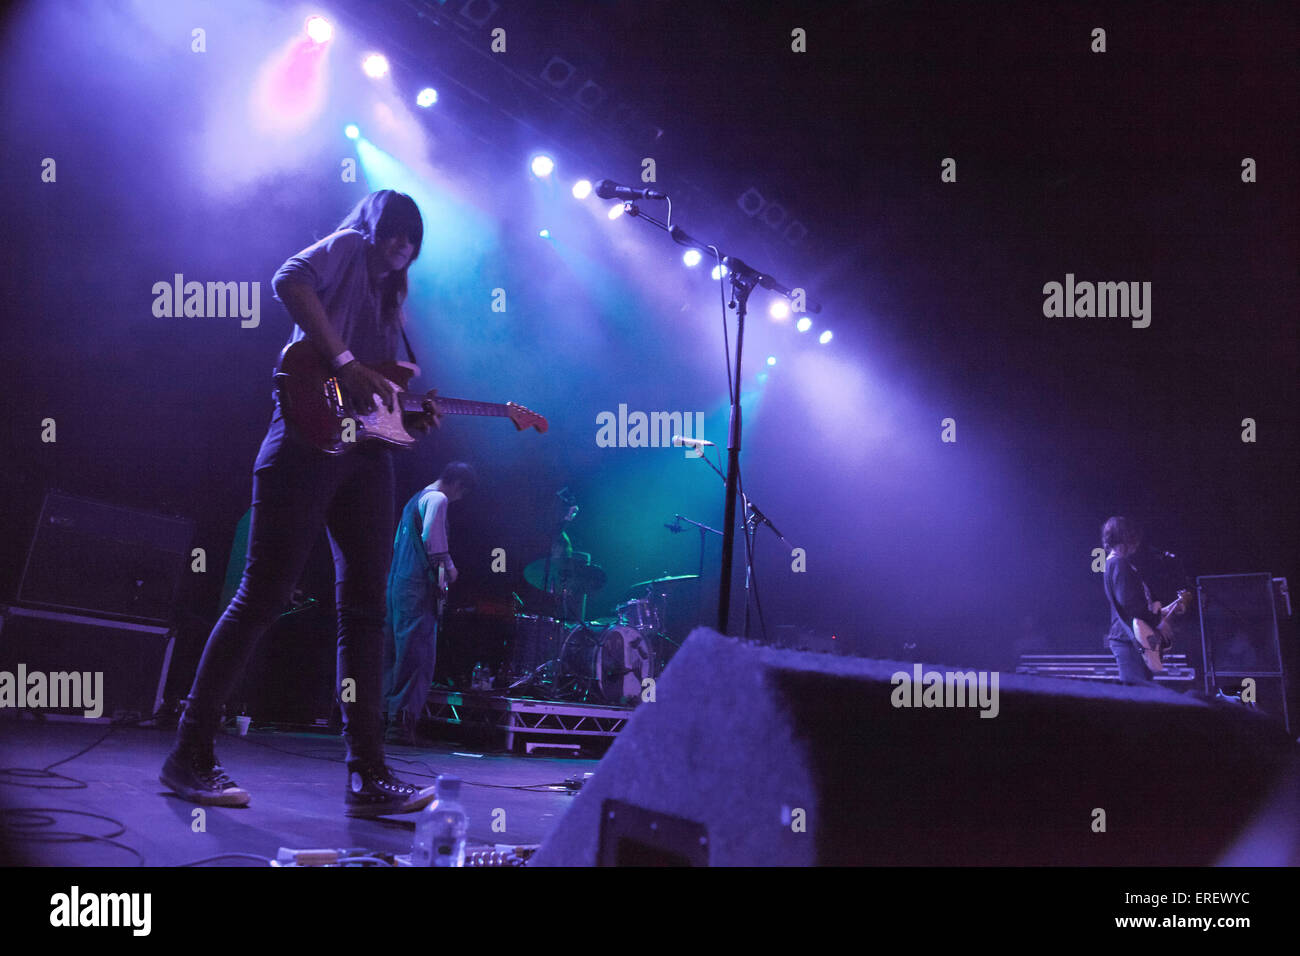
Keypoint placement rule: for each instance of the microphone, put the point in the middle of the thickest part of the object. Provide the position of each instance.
(608, 189)
(699, 443)
(761, 518)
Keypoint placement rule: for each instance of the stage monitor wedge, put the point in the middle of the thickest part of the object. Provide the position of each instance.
(756, 756)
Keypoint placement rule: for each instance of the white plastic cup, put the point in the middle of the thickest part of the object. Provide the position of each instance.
(243, 723)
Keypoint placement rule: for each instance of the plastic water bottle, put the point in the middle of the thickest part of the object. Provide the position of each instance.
(440, 832)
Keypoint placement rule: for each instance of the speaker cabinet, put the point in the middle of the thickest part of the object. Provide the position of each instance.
(1239, 633)
(100, 558)
(133, 659)
(759, 756)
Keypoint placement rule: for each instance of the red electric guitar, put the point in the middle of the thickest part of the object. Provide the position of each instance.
(315, 406)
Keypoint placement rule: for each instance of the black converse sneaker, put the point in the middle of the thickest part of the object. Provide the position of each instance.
(198, 777)
(373, 791)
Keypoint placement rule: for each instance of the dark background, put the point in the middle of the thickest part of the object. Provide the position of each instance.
(1122, 166)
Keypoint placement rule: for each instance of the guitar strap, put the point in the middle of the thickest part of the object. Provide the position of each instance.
(1119, 611)
(417, 530)
(409, 352)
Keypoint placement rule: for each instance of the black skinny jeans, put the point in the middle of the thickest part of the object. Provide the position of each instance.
(299, 491)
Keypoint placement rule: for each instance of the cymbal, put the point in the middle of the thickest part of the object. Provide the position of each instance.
(672, 579)
(569, 573)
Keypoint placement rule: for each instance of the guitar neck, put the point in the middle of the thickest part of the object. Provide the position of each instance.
(456, 406)
(1174, 605)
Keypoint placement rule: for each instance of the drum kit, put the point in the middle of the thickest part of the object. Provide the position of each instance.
(603, 661)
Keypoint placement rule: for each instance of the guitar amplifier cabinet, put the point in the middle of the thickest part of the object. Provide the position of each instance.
(1239, 633)
(105, 559)
(133, 659)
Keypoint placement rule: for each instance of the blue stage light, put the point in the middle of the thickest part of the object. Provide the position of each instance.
(427, 97)
(804, 324)
(544, 233)
(582, 189)
(780, 309)
(825, 337)
(375, 65)
(542, 165)
(615, 211)
(691, 257)
(351, 131)
(718, 272)
(771, 360)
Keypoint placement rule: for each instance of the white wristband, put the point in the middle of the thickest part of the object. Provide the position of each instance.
(343, 358)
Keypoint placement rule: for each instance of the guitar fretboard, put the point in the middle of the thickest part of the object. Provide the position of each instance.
(457, 406)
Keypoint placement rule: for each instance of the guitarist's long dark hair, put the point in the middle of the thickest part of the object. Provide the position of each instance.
(382, 215)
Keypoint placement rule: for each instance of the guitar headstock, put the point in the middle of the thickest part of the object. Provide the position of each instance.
(526, 418)
(1183, 602)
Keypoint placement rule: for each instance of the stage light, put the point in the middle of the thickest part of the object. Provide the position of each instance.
(825, 337)
(582, 189)
(718, 272)
(771, 360)
(375, 65)
(351, 131)
(319, 29)
(615, 211)
(780, 309)
(804, 324)
(427, 97)
(691, 257)
(544, 233)
(542, 165)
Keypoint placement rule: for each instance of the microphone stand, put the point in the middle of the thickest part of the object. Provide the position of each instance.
(703, 529)
(743, 280)
(753, 518)
(566, 502)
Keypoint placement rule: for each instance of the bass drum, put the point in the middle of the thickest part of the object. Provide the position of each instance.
(606, 664)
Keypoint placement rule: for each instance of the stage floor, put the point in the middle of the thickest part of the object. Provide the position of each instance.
(296, 781)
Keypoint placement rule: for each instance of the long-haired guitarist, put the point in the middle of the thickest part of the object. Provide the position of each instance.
(344, 294)
(417, 586)
(1129, 600)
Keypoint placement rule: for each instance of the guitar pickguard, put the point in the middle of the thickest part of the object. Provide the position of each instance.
(380, 424)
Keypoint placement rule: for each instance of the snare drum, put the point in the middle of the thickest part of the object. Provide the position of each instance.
(607, 664)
